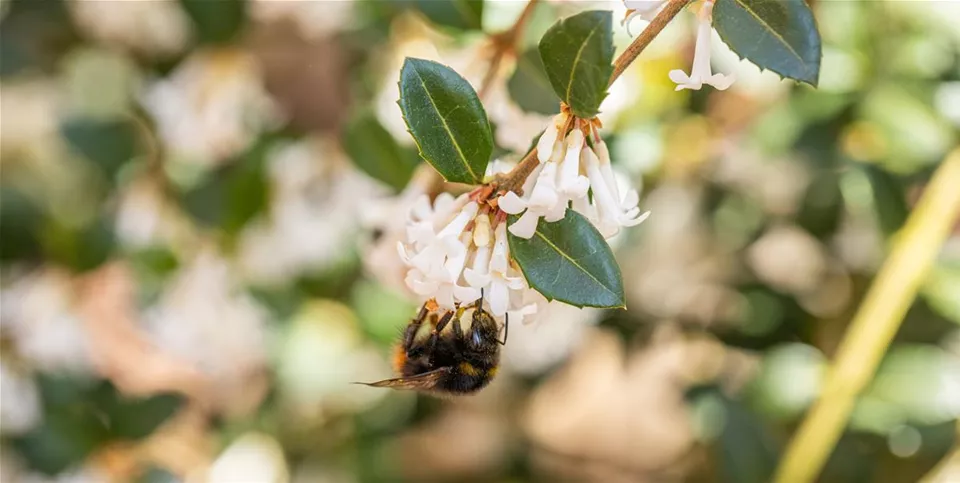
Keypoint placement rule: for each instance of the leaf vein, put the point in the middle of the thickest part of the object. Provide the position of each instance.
(772, 31)
(573, 262)
(576, 60)
(446, 127)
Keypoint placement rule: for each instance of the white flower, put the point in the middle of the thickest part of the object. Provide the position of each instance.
(552, 185)
(314, 20)
(457, 252)
(609, 211)
(212, 107)
(645, 9)
(701, 72)
(159, 27)
(188, 321)
(557, 182)
(317, 199)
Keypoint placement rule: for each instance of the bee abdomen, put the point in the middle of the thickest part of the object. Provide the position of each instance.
(467, 378)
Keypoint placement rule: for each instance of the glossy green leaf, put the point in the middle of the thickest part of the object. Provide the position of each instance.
(577, 53)
(447, 120)
(458, 14)
(375, 151)
(779, 35)
(216, 21)
(529, 86)
(570, 261)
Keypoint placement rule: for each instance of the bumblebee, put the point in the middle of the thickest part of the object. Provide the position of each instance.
(457, 353)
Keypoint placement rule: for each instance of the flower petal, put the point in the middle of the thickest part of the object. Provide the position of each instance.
(630, 200)
(526, 226)
(511, 203)
(683, 80)
(499, 298)
(720, 82)
(557, 213)
(544, 193)
(546, 142)
(465, 294)
(419, 284)
(636, 221)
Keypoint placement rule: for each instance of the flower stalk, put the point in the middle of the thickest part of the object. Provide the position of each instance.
(504, 44)
(515, 179)
(875, 324)
(669, 11)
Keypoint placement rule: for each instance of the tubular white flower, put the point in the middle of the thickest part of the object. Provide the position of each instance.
(645, 9)
(611, 211)
(571, 184)
(502, 281)
(557, 183)
(544, 200)
(701, 72)
(456, 256)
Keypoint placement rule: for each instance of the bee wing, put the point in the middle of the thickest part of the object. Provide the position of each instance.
(422, 382)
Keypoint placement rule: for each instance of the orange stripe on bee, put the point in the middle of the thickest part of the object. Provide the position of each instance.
(399, 358)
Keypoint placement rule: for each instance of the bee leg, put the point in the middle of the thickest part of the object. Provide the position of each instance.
(414, 326)
(506, 328)
(457, 329)
(410, 345)
(441, 324)
(478, 304)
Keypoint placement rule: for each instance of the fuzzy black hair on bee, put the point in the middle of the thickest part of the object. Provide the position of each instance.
(453, 353)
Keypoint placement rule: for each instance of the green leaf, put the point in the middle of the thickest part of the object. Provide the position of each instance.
(233, 195)
(109, 144)
(216, 21)
(570, 261)
(458, 14)
(375, 151)
(779, 35)
(446, 119)
(889, 199)
(21, 222)
(80, 248)
(942, 289)
(529, 86)
(578, 55)
(135, 419)
(744, 448)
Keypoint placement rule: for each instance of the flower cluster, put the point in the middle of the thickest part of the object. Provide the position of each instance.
(558, 182)
(457, 252)
(701, 73)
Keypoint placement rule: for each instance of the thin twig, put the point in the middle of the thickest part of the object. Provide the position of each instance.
(875, 324)
(643, 40)
(504, 44)
(513, 181)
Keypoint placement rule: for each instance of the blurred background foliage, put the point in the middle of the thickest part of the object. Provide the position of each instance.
(200, 202)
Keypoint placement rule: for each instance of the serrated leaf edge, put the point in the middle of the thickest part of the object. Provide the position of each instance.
(446, 127)
(814, 82)
(566, 98)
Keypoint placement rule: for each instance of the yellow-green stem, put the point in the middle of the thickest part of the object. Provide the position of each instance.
(875, 324)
